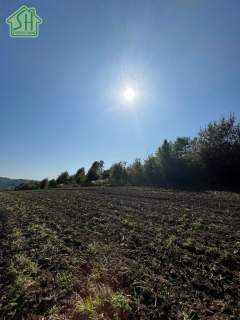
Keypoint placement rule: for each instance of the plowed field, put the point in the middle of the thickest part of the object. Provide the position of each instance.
(119, 253)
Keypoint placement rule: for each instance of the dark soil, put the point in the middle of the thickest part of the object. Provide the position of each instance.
(164, 254)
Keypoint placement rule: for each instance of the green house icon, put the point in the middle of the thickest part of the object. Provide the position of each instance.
(24, 23)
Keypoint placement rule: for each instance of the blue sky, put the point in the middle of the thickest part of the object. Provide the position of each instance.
(60, 105)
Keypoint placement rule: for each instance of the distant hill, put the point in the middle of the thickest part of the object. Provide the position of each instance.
(10, 184)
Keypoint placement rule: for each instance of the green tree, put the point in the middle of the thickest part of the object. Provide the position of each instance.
(80, 176)
(106, 174)
(44, 184)
(118, 173)
(95, 172)
(182, 147)
(219, 151)
(52, 183)
(165, 160)
(63, 178)
(152, 170)
(135, 173)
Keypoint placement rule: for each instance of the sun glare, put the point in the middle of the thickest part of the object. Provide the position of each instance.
(129, 94)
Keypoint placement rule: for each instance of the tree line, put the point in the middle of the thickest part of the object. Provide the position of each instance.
(211, 159)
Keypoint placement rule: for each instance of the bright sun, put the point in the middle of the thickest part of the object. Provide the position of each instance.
(129, 94)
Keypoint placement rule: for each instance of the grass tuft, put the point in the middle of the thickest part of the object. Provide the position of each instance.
(65, 279)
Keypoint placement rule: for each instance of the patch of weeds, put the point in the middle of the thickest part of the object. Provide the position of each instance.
(102, 303)
(86, 308)
(21, 264)
(119, 301)
(93, 248)
(127, 222)
(65, 279)
(21, 269)
(183, 218)
(188, 243)
(169, 242)
(16, 233)
(38, 231)
(17, 238)
(11, 304)
(197, 225)
(54, 314)
(96, 273)
(39, 207)
(23, 282)
(212, 251)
